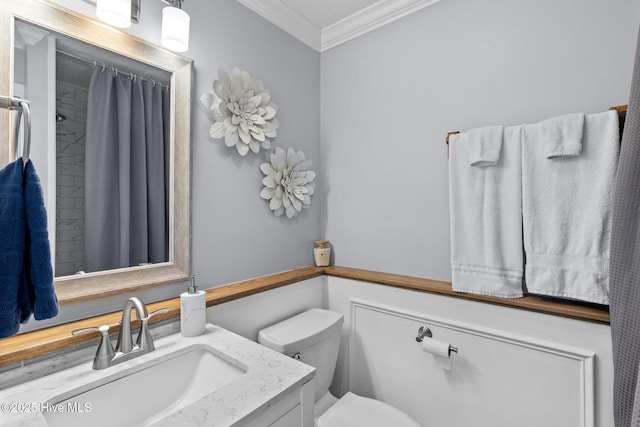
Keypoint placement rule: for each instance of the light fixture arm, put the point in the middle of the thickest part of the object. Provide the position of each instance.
(174, 3)
(175, 21)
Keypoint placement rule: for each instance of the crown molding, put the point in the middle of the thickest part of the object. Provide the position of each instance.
(29, 35)
(368, 19)
(284, 17)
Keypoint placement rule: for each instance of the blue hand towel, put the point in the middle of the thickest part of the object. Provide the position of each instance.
(12, 247)
(26, 274)
(38, 272)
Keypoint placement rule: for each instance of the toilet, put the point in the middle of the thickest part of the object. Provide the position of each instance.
(314, 338)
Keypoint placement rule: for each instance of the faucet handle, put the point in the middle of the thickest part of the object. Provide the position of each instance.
(104, 329)
(105, 352)
(156, 312)
(145, 340)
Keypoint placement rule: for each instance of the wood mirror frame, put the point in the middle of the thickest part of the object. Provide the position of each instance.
(67, 22)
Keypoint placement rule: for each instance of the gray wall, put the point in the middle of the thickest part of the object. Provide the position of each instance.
(235, 235)
(390, 97)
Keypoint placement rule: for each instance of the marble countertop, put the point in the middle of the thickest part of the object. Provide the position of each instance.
(269, 377)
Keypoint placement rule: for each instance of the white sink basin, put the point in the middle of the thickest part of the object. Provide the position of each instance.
(216, 378)
(147, 394)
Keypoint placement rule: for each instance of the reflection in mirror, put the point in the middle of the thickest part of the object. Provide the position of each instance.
(110, 140)
(111, 116)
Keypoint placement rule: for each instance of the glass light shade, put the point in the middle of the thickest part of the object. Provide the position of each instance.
(175, 29)
(116, 13)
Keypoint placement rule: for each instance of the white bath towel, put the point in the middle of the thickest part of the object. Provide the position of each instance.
(484, 145)
(562, 135)
(566, 205)
(486, 219)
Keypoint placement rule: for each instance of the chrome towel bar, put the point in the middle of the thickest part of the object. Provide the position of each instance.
(22, 107)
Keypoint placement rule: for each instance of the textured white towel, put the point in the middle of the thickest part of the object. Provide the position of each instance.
(566, 204)
(486, 219)
(484, 145)
(562, 135)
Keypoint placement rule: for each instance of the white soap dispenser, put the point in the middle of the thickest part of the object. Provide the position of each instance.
(193, 310)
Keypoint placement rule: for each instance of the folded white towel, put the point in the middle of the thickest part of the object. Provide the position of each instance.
(486, 219)
(566, 207)
(562, 136)
(484, 145)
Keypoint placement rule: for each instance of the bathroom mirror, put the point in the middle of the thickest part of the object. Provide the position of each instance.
(41, 40)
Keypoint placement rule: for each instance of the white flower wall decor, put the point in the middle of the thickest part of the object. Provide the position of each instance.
(242, 111)
(288, 184)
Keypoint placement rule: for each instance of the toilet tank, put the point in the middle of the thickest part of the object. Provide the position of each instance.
(314, 335)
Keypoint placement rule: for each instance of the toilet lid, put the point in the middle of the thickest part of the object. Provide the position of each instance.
(353, 410)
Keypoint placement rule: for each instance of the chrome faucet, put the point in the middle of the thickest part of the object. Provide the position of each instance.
(125, 349)
(125, 339)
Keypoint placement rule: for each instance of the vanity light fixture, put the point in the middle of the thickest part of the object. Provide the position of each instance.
(175, 21)
(116, 13)
(175, 27)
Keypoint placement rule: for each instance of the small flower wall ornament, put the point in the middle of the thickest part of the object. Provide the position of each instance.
(242, 110)
(288, 184)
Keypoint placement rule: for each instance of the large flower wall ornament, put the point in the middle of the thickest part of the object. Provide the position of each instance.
(242, 111)
(288, 184)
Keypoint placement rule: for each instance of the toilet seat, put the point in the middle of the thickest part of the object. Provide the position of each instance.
(353, 410)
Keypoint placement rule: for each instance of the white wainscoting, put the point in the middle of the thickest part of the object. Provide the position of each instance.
(515, 368)
(246, 316)
(496, 379)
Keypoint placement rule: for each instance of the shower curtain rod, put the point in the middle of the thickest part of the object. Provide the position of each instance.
(116, 69)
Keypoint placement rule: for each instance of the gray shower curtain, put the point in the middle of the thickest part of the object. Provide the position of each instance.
(125, 172)
(625, 266)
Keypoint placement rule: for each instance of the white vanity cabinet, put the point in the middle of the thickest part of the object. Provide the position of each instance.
(215, 379)
(293, 410)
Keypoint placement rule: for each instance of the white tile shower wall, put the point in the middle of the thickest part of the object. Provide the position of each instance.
(71, 101)
(512, 364)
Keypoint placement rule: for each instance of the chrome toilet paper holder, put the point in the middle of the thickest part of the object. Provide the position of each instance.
(425, 332)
